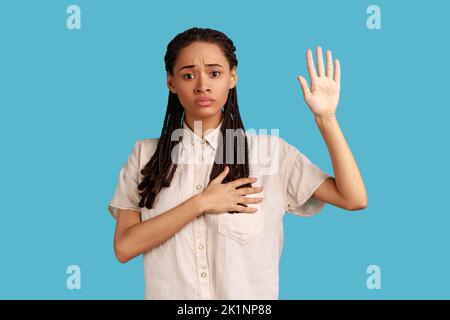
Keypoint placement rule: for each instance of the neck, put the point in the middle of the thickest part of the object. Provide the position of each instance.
(206, 123)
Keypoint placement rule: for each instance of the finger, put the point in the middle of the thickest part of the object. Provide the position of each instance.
(245, 191)
(310, 65)
(304, 85)
(337, 71)
(319, 59)
(241, 181)
(244, 209)
(249, 199)
(329, 64)
(242, 204)
(221, 175)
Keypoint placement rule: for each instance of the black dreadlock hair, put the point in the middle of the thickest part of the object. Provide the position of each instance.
(160, 169)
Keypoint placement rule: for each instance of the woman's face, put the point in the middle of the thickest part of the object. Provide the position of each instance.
(201, 70)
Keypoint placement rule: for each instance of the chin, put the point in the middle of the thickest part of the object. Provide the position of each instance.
(205, 112)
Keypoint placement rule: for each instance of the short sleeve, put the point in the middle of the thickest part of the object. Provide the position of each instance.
(126, 195)
(302, 178)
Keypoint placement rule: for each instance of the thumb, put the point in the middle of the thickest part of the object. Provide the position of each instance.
(221, 176)
(305, 87)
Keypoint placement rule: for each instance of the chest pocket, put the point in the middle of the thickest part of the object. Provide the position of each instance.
(245, 227)
(242, 227)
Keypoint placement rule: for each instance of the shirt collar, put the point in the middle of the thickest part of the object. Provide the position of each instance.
(211, 136)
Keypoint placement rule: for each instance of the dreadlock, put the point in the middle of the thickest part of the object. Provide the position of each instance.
(160, 169)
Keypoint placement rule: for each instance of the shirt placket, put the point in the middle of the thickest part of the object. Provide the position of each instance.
(200, 223)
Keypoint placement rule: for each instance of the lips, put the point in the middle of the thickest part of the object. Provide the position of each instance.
(204, 101)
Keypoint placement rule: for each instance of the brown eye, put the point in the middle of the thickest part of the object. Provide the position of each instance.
(187, 74)
(216, 72)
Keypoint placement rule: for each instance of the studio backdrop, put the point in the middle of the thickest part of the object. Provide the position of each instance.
(82, 81)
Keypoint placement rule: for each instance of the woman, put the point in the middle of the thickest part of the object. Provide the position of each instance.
(198, 203)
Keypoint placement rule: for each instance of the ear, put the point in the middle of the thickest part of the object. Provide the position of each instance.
(170, 83)
(233, 78)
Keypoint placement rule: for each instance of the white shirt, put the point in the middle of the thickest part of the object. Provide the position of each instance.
(221, 256)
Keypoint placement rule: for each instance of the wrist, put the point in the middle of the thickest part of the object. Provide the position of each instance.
(324, 116)
(198, 204)
(325, 119)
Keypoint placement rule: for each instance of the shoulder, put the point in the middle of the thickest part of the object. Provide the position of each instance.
(144, 149)
(269, 154)
(271, 142)
(148, 143)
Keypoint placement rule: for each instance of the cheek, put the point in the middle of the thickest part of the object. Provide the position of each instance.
(185, 96)
(222, 92)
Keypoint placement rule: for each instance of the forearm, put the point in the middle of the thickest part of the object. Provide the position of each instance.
(148, 234)
(349, 182)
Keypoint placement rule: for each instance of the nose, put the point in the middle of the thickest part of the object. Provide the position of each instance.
(202, 84)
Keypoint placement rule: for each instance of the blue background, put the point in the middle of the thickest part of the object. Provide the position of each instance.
(73, 102)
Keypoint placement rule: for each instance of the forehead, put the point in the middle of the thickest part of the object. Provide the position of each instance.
(201, 53)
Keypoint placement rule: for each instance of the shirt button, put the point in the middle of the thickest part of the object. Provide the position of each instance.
(200, 246)
(202, 141)
(198, 187)
(203, 274)
(200, 158)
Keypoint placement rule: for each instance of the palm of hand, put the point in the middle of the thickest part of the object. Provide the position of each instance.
(323, 96)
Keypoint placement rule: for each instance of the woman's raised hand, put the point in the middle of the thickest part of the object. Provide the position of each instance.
(323, 95)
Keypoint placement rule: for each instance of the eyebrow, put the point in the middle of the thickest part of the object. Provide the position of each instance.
(193, 65)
